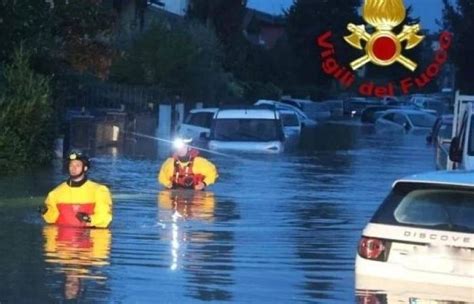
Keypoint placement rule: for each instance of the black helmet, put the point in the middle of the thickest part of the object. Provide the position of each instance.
(77, 155)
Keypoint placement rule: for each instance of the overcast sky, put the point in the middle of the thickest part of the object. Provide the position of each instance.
(427, 10)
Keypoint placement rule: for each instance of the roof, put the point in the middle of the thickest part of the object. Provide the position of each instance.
(247, 113)
(287, 111)
(205, 110)
(455, 178)
(407, 111)
(302, 101)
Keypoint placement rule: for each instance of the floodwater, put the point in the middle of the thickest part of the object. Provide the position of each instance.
(275, 228)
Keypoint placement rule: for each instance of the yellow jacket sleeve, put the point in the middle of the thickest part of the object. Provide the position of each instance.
(103, 208)
(206, 168)
(52, 214)
(166, 173)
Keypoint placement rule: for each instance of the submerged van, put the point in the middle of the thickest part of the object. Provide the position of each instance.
(461, 151)
(247, 129)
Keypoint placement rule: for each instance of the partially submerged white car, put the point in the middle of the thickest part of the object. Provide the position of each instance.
(422, 233)
(247, 129)
(291, 123)
(197, 124)
(306, 122)
(405, 119)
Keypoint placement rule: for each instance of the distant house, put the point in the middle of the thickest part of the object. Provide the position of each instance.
(263, 29)
(135, 16)
(177, 7)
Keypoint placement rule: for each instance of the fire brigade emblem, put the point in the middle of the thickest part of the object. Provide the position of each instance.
(383, 47)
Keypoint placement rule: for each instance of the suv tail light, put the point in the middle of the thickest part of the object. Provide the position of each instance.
(374, 249)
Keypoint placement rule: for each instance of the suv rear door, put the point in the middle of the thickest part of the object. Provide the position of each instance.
(427, 228)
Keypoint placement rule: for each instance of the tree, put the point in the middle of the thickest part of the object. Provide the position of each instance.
(307, 19)
(225, 17)
(26, 124)
(459, 19)
(82, 31)
(184, 60)
(24, 22)
(61, 33)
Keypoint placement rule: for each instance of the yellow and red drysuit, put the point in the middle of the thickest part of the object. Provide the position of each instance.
(65, 201)
(175, 173)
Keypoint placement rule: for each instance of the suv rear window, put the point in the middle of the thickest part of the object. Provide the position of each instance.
(428, 206)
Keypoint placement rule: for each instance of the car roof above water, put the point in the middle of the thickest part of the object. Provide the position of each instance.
(247, 113)
(204, 110)
(454, 178)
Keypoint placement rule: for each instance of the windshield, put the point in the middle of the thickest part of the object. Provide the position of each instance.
(428, 206)
(246, 130)
(289, 120)
(422, 120)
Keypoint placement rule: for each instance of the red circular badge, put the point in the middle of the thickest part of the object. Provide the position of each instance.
(384, 48)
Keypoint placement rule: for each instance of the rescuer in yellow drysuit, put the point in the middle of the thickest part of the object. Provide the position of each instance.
(78, 202)
(186, 169)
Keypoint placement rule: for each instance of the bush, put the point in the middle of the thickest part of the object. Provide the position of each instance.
(26, 127)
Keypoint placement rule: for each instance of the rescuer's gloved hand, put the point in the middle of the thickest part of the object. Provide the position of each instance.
(200, 186)
(83, 217)
(189, 182)
(42, 209)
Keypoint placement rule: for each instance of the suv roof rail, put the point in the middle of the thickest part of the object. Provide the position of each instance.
(248, 107)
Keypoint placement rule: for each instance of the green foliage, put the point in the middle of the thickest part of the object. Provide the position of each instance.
(459, 19)
(26, 127)
(61, 34)
(225, 17)
(184, 60)
(307, 20)
(24, 22)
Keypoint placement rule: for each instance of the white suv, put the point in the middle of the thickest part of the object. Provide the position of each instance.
(422, 233)
(196, 123)
(247, 129)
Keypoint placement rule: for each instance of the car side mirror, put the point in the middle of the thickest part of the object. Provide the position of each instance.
(455, 152)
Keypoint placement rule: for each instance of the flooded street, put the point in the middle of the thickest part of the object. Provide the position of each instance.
(275, 228)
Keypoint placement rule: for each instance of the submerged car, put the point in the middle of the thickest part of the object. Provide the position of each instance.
(405, 119)
(291, 123)
(247, 129)
(440, 138)
(423, 232)
(306, 122)
(197, 124)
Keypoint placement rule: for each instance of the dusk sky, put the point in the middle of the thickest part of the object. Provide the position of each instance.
(427, 10)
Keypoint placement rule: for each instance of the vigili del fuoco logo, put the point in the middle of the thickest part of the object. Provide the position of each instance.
(383, 47)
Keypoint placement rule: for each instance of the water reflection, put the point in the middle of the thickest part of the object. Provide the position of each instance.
(187, 204)
(204, 254)
(78, 254)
